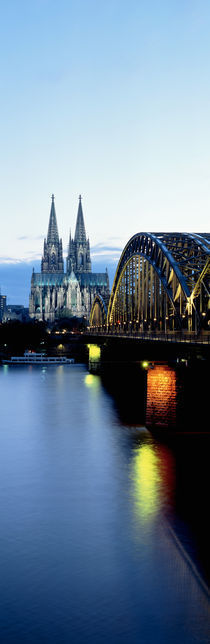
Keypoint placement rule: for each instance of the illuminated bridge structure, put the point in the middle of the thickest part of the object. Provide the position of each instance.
(161, 285)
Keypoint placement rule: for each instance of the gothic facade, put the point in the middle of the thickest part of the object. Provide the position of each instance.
(56, 293)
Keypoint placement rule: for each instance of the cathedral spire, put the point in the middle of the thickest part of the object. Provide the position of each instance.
(52, 260)
(52, 235)
(78, 258)
(80, 234)
(69, 241)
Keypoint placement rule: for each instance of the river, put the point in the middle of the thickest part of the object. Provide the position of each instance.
(103, 523)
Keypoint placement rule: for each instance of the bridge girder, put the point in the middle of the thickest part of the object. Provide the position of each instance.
(98, 314)
(161, 279)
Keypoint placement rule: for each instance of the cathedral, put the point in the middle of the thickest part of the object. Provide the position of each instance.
(56, 293)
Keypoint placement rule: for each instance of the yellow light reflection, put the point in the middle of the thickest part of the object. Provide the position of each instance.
(59, 373)
(59, 370)
(146, 483)
(94, 352)
(91, 380)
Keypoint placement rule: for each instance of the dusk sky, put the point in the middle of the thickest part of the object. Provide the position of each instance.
(109, 99)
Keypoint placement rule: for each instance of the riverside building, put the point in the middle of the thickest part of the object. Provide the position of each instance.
(3, 305)
(56, 293)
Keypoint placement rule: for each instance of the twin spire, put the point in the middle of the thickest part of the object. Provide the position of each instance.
(80, 234)
(78, 258)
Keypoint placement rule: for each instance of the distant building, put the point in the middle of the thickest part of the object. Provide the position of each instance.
(55, 293)
(3, 304)
(15, 312)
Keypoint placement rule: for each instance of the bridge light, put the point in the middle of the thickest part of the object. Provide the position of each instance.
(94, 353)
(145, 364)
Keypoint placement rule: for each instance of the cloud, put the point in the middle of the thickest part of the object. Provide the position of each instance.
(105, 247)
(106, 253)
(31, 237)
(10, 260)
(32, 256)
(114, 238)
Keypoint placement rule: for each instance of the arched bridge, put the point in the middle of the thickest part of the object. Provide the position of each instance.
(162, 284)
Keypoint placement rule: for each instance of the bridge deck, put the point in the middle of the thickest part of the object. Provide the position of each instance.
(175, 337)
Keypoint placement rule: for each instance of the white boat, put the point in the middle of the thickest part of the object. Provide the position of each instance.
(31, 357)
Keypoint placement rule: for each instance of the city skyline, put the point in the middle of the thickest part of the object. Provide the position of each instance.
(16, 274)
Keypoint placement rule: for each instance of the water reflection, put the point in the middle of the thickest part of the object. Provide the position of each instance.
(153, 479)
(127, 384)
(87, 555)
(145, 475)
(169, 475)
(91, 380)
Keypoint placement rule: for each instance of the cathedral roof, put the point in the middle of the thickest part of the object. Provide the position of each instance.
(52, 235)
(80, 234)
(93, 279)
(48, 279)
(59, 279)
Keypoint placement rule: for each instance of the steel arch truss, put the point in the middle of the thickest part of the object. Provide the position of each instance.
(98, 314)
(162, 282)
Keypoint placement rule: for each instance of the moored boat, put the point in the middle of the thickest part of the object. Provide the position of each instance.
(31, 357)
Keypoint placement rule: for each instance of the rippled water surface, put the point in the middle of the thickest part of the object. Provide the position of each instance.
(97, 538)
